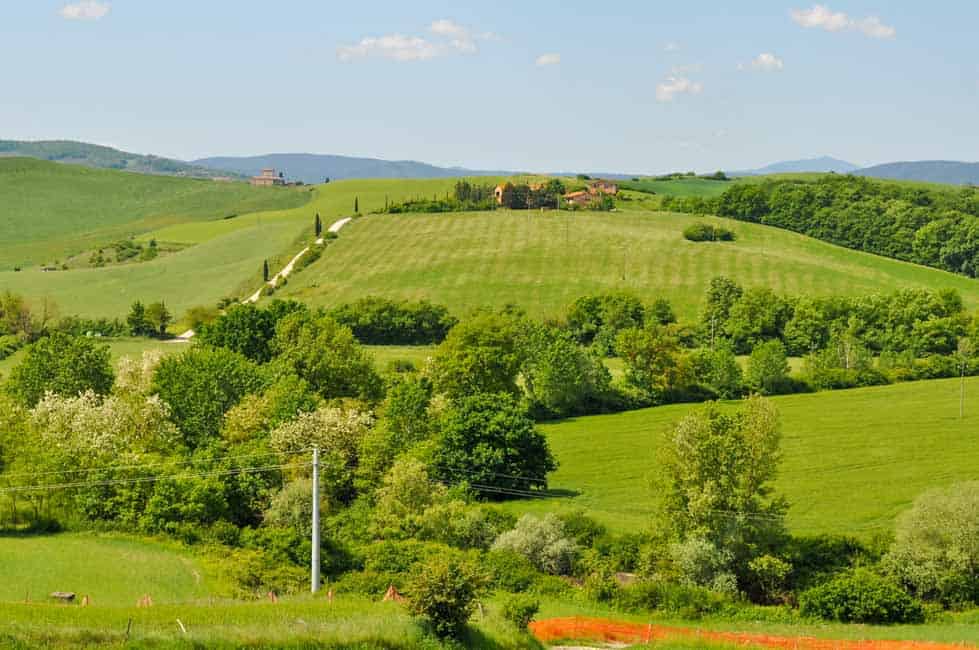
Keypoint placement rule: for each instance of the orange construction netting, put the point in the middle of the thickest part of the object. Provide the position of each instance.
(596, 629)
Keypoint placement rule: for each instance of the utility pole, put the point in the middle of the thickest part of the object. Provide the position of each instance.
(315, 568)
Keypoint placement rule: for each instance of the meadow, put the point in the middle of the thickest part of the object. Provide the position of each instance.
(852, 459)
(543, 261)
(678, 186)
(49, 211)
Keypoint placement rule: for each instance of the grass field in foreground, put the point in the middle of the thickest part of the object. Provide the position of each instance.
(49, 210)
(543, 261)
(112, 570)
(853, 459)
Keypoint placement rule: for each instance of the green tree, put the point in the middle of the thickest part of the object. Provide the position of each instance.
(652, 359)
(356, 205)
(768, 368)
(722, 294)
(201, 385)
(158, 317)
(246, 329)
(488, 440)
(326, 354)
(718, 370)
(718, 468)
(62, 364)
(444, 590)
(480, 355)
(265, 271)
(137, 321)
(560, 376)
(318, 226)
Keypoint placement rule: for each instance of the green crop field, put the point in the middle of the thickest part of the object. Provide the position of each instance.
(543, 261)
(678, 187)
(853, 459)
(49, 211)
(112, 570)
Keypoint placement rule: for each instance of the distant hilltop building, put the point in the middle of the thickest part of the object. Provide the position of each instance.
(268, 178)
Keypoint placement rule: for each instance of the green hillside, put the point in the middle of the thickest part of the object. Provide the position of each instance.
(853, 459)
(49, 211)
(543, 261)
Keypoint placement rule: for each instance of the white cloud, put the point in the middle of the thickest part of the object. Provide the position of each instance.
(393, 46)
(821, 17)
(676, 84)
(451, 38)
(85, 10)
(671, 47)
(548, 59)
(764, 62)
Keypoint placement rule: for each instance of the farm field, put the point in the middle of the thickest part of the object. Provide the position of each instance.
(50, 211)
(678, 187)
(543, 261)
(853, 459)
(225, 258)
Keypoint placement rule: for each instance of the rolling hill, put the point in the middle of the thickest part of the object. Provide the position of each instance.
(315, 168)
(822, 164)
(49, 211)
(93, 155)
(853, 459)
(543, 261)
(930, 171)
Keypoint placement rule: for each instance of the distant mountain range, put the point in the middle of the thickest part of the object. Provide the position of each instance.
(932, 171)
(823, 164)
(315, 168)
(93, 155)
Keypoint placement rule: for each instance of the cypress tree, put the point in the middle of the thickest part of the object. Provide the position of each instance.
(356, 205)
(265, 271)
(318, 225)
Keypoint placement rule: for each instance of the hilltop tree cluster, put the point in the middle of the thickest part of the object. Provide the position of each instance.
(934, 227)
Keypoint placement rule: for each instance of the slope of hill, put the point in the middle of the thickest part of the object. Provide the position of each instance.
(823, 164)
(930, 171)
(315, 168)
(93, 155)
(49, 211)
(543, 261)
(853, 459)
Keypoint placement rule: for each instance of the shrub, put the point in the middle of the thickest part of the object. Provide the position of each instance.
(444, 592)
(520, 610)
(686, 601)
(542, 541)
(701, 231)
(861, 597)
(936, 549)
(254, 574)
(380, 321)
(702, 564)
(509, 570)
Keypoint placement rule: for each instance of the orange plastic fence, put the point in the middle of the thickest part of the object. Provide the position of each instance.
(596, 629)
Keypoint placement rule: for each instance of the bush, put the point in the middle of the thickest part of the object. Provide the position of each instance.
(520, 610)
(444, 592)
(686, 601)
(63, 364)
(701, 231)
(542, 541)
(510, 571)
(380, 321)
(861, 597)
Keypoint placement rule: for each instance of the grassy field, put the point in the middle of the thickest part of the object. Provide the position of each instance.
(226, 258)
(543, 261)
(49, 211)
(678, 187)
(853, 459)
(112, 570)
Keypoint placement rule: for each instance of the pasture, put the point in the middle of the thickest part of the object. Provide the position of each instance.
(50, 211)
(677, 187)
(853, 459)
(543, 261)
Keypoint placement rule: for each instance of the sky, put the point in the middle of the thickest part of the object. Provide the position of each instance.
(632, 86)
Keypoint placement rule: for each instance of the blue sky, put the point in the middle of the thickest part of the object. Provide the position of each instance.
(571, 85)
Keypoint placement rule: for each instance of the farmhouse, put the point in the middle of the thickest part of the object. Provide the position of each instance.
(603, 187)
(268, 178)
(580, 198)
(498, 192)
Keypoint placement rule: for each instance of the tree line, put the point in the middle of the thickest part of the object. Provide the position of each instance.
(933, 227)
